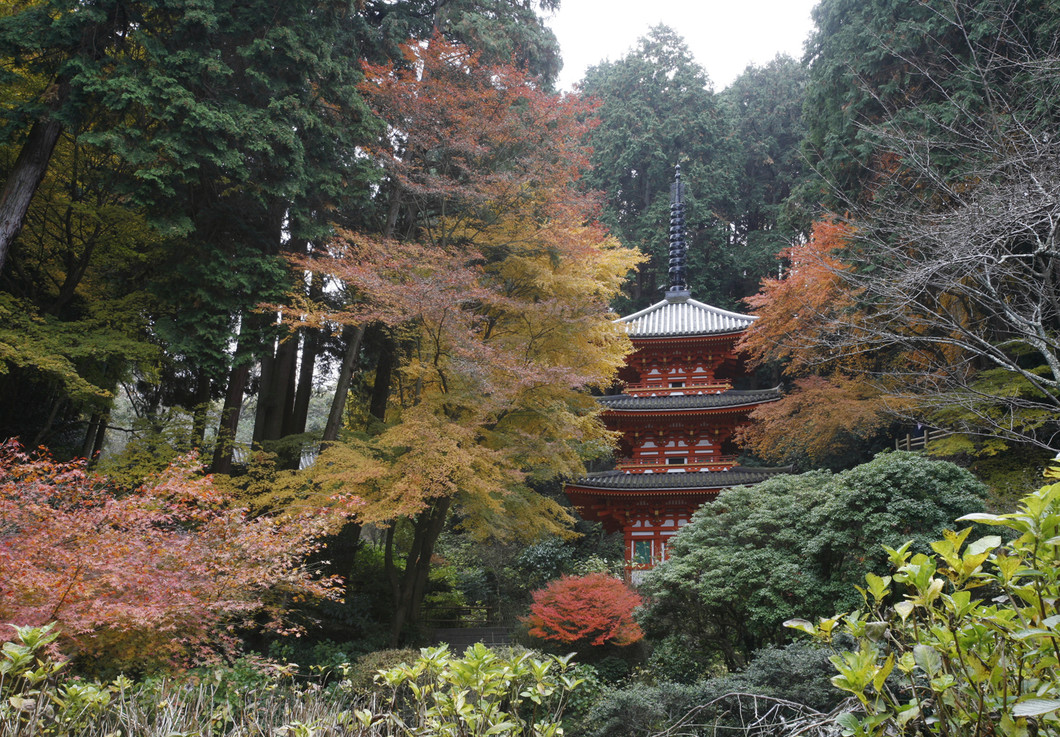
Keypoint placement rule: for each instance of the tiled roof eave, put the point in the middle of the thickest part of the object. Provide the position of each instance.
(679, 334)
(688, 403)
(662, 491)
(618, 483)
(687, 410)
(683, 318)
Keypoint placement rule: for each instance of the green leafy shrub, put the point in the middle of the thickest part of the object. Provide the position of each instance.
(35, 700)
(794, 546)
(612, 669)
(581, 700)
(971, 648)
(640, 709)
(544, 561)
(799, 672)
(481, 693)
(363, 671)
(673, 659)
(795, 678)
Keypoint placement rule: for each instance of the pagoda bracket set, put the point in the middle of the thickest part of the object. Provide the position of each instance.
(673, 331)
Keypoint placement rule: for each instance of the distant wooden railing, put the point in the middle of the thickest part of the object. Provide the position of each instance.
(920, 440)
(459, 616)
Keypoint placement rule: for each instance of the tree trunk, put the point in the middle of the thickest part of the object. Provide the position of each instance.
(200, 409)
(338, 404)
(101, 435)
(288, 363)
(409, 589)
(237, 385)
(304, 392)
(226, 431)
(384, 371)
(90, 435)
(265, 394)
(56, 402)
(274, 394)
(25, 177)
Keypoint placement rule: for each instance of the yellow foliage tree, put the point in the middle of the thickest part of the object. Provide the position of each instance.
(497, 297)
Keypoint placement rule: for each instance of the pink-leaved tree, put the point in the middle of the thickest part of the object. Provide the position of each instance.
(163, 575)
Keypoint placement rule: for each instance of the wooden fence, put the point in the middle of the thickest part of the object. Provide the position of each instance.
(920, 440)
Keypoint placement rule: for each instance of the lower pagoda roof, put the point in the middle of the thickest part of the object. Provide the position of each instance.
(621, 481)
(726, 399)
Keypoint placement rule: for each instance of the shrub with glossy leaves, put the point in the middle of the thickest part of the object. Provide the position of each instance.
(971, 648)
(480, 694)
(596, 609)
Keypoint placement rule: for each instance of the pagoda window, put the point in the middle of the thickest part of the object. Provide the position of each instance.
(642, 552)
(676, 384)
(680, 461)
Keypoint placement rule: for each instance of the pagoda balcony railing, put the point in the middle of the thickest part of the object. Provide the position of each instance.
(688, 388)
(694, 463)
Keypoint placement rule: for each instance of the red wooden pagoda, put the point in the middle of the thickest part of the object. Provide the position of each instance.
(677, 415)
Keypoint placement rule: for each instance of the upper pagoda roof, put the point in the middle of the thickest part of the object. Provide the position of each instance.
(679, 314)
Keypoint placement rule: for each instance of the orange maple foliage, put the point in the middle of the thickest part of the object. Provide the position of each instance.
(795, 311)
(463, 135)
(149, 578)
(496, 287)
(595, 609)
(815, 419)
(839, 396)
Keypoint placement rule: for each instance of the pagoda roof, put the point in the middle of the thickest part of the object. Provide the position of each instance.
(621, 481)
(730, 398)
(680, 315)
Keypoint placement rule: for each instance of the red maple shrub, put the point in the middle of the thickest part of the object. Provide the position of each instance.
(157, 576)
(596, 609)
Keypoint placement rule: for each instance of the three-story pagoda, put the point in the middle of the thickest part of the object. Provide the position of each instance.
(677, 415)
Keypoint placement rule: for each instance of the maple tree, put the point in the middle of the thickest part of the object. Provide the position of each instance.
(146, 578)
(817, 420)
(810, 298)
(832, 401)
(595, 609)
(493, 282)
(938, 146)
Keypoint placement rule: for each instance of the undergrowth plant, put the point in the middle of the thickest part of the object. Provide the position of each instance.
(439, 694)
(477, 695)
(972, 647)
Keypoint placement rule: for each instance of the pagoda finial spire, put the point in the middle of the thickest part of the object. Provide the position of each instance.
(678, 286)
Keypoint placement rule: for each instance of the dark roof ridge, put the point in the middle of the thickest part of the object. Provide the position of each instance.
(619, 480)
(729, 398)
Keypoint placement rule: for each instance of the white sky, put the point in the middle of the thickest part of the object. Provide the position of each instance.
(723, 35)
